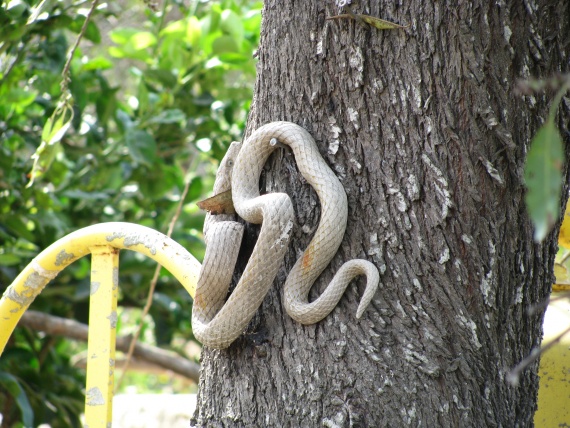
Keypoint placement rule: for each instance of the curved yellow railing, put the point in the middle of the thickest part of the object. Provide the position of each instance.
(103, 241)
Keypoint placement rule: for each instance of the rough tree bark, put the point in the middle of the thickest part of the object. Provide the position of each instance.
(425, 131)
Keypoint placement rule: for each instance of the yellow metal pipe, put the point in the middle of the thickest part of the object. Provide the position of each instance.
(44, 267)
(102, 334)
(554, 369)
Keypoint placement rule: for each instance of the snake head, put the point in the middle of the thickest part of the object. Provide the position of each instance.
(224, 175)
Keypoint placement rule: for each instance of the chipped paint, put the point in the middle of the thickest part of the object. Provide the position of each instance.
(113, 319)
(63, 258)
(94, 397)
(134, 239)
(115, 278)
(46, 273)
(33, 285)
(94, 287)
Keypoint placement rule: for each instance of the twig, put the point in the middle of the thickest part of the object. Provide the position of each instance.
(153, 282)
(541, 305)
(514, 374)
(65, 74)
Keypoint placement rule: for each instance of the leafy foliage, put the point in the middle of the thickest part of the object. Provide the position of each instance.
(150, 106)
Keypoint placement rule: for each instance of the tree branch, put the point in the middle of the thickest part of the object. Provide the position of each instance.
(75, 330)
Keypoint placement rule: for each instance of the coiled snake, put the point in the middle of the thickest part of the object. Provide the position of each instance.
(217, 322)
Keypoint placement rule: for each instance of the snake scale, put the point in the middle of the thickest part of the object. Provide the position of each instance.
(217, 322)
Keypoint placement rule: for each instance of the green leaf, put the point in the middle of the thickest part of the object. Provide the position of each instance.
(19, 99)
(92, 32)
(381, 24)
(16, 8)
(19, 227)
(10, 383)
(38, 11)
(175, 29)
(233, 58)
(98, 63)
(225, 44)
(141, 145)
(54, 130)
(231, 23)
(57, 124)
(132, 43)
(9, 259)
(121, 36)
(143, 40)
(543, 179)
(193, 31)
(169, 116)
(378, 23)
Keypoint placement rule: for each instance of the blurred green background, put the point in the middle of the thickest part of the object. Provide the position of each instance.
(158, 91)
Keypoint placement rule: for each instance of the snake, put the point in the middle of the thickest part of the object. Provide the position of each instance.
(218, 320)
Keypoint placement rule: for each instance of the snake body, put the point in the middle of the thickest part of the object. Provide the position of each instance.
(216, 322)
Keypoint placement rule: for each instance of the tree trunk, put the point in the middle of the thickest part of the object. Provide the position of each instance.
(425, 131)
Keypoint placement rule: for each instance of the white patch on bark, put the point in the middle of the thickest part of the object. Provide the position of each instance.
(488, 282)
(356, 164)
(416, 94)
(377, 85)
(356, 62)
(401, 204)
(230, 413)
(353, 116)
(519, 295)
(376, 252)
(335, 131)
(507, 33)
(442, 188)
(413, 188)
(444, 256)
(492, 171)
(337, 421)
(472, 327)
(401, 309)
(319, 47)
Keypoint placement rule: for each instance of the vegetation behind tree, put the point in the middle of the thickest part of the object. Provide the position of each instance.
(147, 106)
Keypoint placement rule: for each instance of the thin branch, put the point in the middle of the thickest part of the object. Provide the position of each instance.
(514, 374)
(65, 74)
(532, 309)
(71, 329)
(153, 282)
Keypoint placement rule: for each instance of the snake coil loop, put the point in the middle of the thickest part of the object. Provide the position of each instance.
(216, 322)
